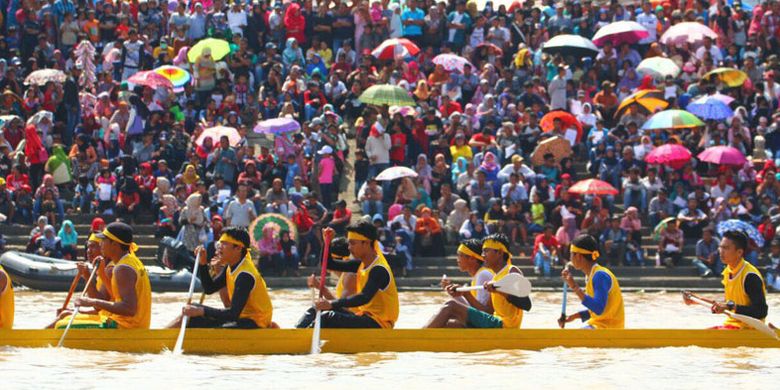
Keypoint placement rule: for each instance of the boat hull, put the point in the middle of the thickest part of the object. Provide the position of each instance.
(298, 341)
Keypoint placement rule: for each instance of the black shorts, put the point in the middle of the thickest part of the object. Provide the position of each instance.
(205, 322)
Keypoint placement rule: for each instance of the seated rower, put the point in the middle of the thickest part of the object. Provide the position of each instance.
(501, 310)
(100, 287)
(375, 303)
(470, 260)
(249, 304)
(345, 287)
(6, 300)
(602, 297)
(125, 299)
(745, 291)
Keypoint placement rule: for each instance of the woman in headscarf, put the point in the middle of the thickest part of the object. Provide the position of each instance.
(407, 191)
(269, 249)
(190, 176)
(424, 173)
(412, 74)
(167, 216)
(440, 174)
(68, 240)
(438, 76)
(609, 169)
(587, 117)
(162, 187)
(566, 234)
(192, 219)
(36, 155)
(490, 167)
(457, 217)
(422, 92)
(205, 75)
(48, 244)
(292, 54)
(647, 83)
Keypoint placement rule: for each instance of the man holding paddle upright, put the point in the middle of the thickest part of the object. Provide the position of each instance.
(602, 296)
(502, 310)
(744, 287)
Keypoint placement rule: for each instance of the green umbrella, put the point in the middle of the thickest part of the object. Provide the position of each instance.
(661, 226)
(390, 95)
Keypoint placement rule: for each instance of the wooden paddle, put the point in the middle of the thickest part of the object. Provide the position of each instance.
(177, 349)
(73, 285)
(512, 284)
(747, 320)
(76, 308)
(315, 336)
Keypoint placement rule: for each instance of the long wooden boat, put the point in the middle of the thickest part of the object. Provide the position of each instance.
(298, 341)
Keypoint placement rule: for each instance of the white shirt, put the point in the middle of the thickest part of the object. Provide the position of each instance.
(649, 22)
(236, 20)
(715, 53)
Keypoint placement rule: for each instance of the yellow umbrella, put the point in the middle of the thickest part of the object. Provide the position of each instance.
(648, 100)
(219, 49)
(729, 76)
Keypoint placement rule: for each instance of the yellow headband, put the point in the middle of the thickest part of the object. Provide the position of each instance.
(93, 238)
(230, 240)
(357, 236)
(468, 252)
(133, 246)
(337, 257)
(575, 249)
(493, 244)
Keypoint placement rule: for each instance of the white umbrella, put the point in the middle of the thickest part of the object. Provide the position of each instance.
(658, 67)
(393, 173)
(39, 116)
(43, 76)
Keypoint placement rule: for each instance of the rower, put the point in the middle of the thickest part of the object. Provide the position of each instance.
(602, 297)
(6, 300)
(249, 303)
(470, 260)
(345, 287)
(375, 303)
(745, 291)
(501, 310)
(127, 303)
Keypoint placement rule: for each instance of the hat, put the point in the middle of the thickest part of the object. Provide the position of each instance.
(316, 122)
(565, 176)
(517, 158)
(120, 233)
(377, 217)
(325, 150)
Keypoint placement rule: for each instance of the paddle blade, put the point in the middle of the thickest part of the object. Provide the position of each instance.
(755, 324)
(315, 337)
(514, 284)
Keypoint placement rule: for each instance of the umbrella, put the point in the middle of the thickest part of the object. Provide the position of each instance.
(178, 76)
(40, 116)
(719, 96)
(658, 67)
(672, 155)
(278, 222)
(559, 147)
(451, 62)
(567, 120)
(393, 173)
(43, 76)
(725, 155)
(690, 32)
(568, 44)
(394, 48)
(649, 101)
(403, 110)
(624, 31)
(708, 108)
(729, 76)
(390, 95)
(491, 47)
(593, 187)
(672, 119)
(217, 132)
(744, 227)
(150, 79)
(661, 226)
(277, 126)
(219, 49)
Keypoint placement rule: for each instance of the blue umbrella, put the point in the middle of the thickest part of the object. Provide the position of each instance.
(710, 109)
(736, 224)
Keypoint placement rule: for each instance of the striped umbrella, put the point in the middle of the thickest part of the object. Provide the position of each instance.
(394, 48)
(624, 31)
(390, 95)
(709, 108)
(178, 76)
(593, 187)
(729, 76)
(672, 155)
(451, 62)
(672, 119)
(648, 101)
(658, 67)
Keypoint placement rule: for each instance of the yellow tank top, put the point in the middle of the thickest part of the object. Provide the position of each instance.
(258, 306)
(383, 307)
(735, 288)
(143, 294)
(613, 315)
(6, 302)
(509, 314)
(474, 279)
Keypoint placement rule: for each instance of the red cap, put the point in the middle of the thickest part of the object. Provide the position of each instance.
(566, 176)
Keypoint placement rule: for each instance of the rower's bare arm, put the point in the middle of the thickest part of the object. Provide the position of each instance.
(128, 301)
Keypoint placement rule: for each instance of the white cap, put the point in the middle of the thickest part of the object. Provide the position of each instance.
(326, 150)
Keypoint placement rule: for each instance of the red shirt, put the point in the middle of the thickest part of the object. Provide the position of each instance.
(448, 109)
(397, 152)
(548, 243)
(339, 214)
(15, 183)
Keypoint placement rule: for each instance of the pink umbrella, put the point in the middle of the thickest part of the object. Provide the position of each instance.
(625, 31)
(150, 79)
(672, 155)
(451, 62)
(725, 155)
(690, 32)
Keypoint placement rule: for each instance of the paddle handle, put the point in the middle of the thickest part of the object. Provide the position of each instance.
(76, 308)
(324, 268)
(470, 288)
(177, 348)
(72, 289)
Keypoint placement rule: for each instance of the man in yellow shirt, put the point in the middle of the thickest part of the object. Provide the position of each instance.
(6, 300)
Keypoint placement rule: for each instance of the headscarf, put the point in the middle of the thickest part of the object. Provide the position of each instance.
(193, 208)
(49, 243)
(647, 83)
(97, 224)
(489, 162)
(412, 72)
(162, 186)
(33, 147)
(460, 166)
(293, 21)
(181, 57)
(269, 243)
(423, 171)
(190, 175)
(290, 54)
(170, 204)
(629, 80)
(71, 238)
(422, 91)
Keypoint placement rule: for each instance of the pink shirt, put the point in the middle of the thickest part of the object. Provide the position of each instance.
(327, 167)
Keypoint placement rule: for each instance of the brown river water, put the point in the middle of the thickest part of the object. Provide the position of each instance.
(662, 368)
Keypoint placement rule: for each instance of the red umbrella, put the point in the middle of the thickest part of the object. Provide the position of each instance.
(592, 187)
(394, 48)
(150, 79)
(673, 155)
(725, 155)
(567, 121)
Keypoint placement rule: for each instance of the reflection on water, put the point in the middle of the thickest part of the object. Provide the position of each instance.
(689, 367)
